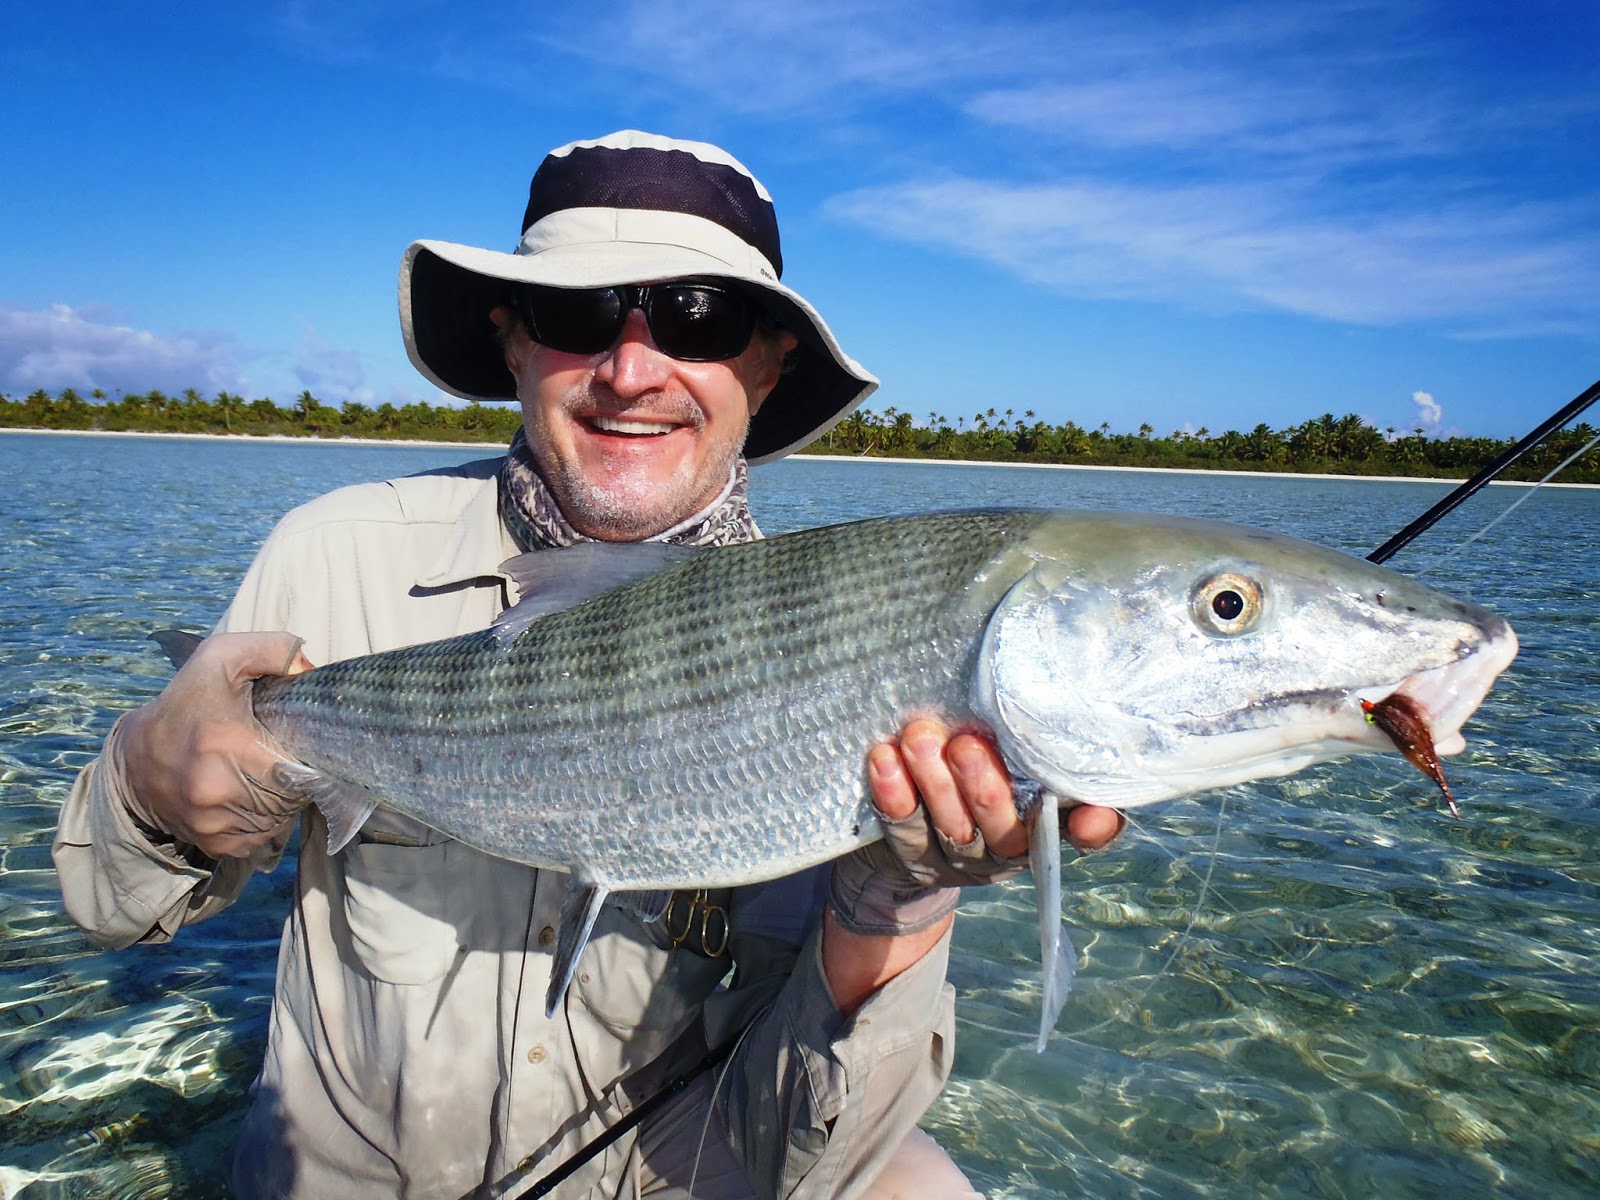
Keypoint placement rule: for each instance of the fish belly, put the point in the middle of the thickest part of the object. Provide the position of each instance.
(707, 726)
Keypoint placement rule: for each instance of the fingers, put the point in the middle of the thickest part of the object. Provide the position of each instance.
(195, 754)
(1091, 827)
(893, 793)
(961, 780)
(964, 784)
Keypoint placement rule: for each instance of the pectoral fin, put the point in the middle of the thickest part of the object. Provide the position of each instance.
(579, 908)
(1056, 953)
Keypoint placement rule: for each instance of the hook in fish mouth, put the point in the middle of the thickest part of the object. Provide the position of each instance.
(1405, 724)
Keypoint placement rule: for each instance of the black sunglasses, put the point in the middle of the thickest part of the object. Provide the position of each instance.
(692, 322)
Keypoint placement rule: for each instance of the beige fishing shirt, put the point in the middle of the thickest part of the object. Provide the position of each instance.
(409, 1054)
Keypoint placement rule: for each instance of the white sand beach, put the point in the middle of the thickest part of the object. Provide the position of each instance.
(925, 462)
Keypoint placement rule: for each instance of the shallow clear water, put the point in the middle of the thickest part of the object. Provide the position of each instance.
(1371, 1000)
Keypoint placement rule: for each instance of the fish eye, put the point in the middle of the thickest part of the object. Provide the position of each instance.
(1227, 603)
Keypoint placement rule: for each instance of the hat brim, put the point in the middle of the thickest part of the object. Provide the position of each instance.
(447, 291)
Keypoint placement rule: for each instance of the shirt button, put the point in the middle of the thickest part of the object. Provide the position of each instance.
(536, 1055)
(547, 935)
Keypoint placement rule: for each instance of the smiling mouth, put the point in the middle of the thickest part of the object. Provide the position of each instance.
(627, 428)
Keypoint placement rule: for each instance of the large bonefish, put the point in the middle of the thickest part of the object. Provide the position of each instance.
(705, 722)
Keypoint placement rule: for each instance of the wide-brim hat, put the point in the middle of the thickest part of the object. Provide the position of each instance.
(630, 207)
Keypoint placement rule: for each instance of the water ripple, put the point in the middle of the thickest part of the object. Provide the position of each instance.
(1371, 999)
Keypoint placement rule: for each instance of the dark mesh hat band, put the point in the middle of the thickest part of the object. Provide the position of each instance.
(645, 178)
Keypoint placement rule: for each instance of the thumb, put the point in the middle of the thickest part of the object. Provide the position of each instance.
(242, 657)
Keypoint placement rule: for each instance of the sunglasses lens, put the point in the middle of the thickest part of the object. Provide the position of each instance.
(700, 324)
(691, 322)
(573, 320)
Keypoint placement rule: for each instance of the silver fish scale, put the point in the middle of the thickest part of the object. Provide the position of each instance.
(704, 726)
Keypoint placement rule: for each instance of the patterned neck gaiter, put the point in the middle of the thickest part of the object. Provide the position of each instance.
(536, 521)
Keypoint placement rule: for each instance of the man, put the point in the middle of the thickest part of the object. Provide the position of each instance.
(643, 328)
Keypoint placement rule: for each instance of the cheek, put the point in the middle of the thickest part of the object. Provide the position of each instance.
(723, 392)
(761, 376)
(543, 393)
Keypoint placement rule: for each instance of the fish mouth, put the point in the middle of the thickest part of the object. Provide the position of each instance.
(1444, 697)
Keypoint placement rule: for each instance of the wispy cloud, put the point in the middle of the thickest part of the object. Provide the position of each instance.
(800, 59)
(1353, 160)
(63, 347)
(1341, 161)
(1253, 246)
(1255, 122)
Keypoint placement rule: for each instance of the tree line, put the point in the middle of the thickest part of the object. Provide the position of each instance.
(1340, 445)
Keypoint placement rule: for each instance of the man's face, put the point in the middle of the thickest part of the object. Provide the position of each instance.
(631, 441)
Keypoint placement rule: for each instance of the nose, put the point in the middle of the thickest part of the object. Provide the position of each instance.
(634, 364)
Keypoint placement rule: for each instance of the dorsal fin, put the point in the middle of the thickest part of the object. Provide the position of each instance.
(553, 580)
(178, 645)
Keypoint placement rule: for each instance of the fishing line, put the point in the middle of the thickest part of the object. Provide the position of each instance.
(1288, 955)
(1546, 427)
(1183, 938)
(1446, 556)
(711, 1105)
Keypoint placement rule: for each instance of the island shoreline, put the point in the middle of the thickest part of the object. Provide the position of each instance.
(282, 439)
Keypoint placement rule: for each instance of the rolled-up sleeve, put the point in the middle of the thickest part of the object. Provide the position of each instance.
(118, 885)
(816, 1102)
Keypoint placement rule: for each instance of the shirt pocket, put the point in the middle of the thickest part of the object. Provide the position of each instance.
(407, 908)
(630, 984)
(631, 999)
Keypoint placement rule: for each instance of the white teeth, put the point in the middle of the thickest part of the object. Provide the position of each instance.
(616, 425)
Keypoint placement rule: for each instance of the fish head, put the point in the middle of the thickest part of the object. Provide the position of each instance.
(1139, 658)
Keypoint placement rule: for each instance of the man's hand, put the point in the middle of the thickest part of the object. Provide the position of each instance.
(964, 788)
(202, 770)
(949, 821)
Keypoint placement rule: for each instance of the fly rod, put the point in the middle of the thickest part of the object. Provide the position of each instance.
(547, 1183)
(1580, 402)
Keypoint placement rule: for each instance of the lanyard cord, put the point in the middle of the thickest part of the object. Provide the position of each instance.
(554, 1178)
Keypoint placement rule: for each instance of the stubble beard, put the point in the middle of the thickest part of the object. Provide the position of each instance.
(632, 506)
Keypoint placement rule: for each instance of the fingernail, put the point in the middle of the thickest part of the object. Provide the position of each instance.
(966, 759)
(884, 763)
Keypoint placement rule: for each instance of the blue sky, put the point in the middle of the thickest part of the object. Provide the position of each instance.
(1191, 215)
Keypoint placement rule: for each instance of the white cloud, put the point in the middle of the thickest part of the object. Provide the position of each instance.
(64, 347)
(801, 59)
(1429, 414)
(1327, 160)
